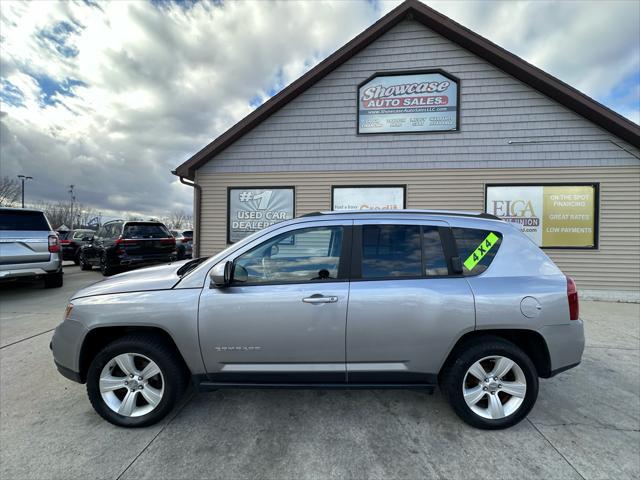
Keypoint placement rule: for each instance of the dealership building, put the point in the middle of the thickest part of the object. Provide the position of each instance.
(419, 112)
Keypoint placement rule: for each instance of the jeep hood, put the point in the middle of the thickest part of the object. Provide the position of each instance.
(161, 277)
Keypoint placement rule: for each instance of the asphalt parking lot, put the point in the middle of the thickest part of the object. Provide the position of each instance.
(586, 423)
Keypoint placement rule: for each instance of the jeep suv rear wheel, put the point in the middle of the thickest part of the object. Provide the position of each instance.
(135, 381)
(492, 384)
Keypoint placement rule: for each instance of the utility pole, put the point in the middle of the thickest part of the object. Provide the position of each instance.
(22, 179)
(73, 199)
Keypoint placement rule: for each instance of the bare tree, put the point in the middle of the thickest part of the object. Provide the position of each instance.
(59, 213)
(9, 192)
(177, 219)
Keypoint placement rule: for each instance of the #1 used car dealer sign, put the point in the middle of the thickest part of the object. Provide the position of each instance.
(417, 102)
(252, 209)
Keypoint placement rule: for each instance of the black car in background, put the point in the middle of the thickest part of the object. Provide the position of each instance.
(71, 241)
(119, 244)
(184, 243)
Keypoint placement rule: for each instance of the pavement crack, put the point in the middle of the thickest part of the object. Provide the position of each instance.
(604, 347)
(171, 419)
(557, 451)
(27, 338)
(590, 425)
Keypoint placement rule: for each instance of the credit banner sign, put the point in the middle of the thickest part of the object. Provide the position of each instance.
(252, 209)
(551, 215)
(368, 198)
(420, 102)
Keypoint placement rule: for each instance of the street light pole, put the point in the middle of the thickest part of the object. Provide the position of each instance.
(73, 198)
(22, 179)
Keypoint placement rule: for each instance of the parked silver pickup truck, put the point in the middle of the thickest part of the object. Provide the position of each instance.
(29, 248)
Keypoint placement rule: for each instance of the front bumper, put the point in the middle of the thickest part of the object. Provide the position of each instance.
(565, 343)
(66, 345)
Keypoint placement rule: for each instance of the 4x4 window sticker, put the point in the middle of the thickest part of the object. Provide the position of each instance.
(481, 250)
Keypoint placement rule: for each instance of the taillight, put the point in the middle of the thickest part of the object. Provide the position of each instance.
(572, 296)
(126, 241)
(65, 242)
(54, 244)
(168, 241)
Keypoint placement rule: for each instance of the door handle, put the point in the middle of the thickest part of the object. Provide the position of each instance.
(318, 299)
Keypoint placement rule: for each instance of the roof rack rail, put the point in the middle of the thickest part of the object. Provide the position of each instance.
(423, 212)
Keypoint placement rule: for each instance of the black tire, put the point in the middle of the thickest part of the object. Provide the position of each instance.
(53, 280)
(155, 348)
(454, 375)
(105, 266)
(181, 250)
(84, 265)
(76, 259)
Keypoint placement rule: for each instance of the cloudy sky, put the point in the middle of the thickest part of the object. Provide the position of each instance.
(112, 96)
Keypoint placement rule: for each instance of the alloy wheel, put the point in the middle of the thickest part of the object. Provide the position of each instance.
(131, 384)
(494, 387)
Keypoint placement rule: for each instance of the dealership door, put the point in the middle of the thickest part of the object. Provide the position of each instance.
(283, 319)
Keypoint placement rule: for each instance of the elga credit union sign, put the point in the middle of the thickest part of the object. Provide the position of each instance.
(420, 102)
(551, 215)
(252, 209)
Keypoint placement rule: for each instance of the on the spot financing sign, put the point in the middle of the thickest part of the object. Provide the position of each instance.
(421, 102)
(552, 215)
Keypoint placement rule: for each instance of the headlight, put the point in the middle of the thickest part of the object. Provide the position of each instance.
(67, 311)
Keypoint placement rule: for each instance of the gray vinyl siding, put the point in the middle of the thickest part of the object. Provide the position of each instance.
(318, 128)
(614, 266)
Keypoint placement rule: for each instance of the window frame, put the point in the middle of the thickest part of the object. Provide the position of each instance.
(454, 245)
(445, 238)
(344, 265)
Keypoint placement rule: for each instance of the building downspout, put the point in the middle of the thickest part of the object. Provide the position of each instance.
(196, 213)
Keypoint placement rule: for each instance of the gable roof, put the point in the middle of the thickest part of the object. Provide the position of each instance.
(480, 46)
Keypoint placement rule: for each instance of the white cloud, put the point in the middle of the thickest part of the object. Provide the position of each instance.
(154, 85)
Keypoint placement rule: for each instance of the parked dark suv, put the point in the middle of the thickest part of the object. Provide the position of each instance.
(72, 241)
(120, 244)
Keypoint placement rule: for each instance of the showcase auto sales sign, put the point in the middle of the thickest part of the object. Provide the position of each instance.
(425, 102)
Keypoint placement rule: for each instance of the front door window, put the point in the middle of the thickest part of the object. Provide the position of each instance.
(301, 256)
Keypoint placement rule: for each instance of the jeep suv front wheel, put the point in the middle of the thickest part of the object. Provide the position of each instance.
(135, 381)
(492, 384)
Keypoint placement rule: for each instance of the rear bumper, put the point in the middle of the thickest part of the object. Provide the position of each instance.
(566, 345)
(69, 253)
(26, 270)
(126, 261)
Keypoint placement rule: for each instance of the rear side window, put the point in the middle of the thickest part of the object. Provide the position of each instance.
(145, 230)
(476, 248)
(391, 251)
(23, 220)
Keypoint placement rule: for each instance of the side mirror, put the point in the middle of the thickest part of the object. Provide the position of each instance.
(222, 274)
(456, 265)
(87, 238)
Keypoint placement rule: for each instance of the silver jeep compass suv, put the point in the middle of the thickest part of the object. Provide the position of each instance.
(405, 299)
